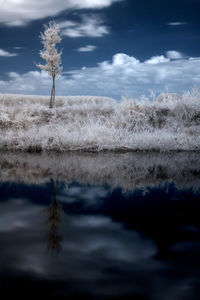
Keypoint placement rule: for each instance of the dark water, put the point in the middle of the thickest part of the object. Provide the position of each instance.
(100, 226)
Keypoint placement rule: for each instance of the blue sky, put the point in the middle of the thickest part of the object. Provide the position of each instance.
(110, 47)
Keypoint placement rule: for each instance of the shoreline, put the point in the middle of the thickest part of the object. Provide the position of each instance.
(120, 151)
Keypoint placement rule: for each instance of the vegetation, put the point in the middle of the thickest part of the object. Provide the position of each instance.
(99, 124)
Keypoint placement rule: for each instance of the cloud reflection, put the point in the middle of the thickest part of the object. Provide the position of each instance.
(95, 250)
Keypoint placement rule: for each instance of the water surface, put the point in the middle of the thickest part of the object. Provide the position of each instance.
(101, 226)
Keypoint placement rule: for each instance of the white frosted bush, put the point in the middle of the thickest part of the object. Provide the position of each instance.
(98, 123)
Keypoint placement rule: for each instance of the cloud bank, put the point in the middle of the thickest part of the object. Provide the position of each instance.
(123, 75)
(20, 12)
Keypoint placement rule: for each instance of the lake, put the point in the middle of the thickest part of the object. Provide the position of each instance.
(100, 225)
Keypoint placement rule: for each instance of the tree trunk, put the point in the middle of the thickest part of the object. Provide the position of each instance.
(52, 99)
(54, 91)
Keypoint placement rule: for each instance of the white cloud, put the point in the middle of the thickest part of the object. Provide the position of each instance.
(6, 53)
(124, 75)
(119, 61)
(90, 25)
(18, 48)
(19, 12)
(87, 48)
(157, 60)
(172, 54)
(122, 59)
(176, 23)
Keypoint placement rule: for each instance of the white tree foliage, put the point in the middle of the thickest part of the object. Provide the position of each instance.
(49, 39)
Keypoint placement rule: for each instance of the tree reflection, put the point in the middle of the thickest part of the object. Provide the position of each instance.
(54, 214)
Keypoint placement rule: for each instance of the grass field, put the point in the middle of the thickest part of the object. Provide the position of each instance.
(170, 122)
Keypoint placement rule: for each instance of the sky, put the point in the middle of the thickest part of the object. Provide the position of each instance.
(112, 48)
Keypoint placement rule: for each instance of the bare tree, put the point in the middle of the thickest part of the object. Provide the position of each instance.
(49, 39)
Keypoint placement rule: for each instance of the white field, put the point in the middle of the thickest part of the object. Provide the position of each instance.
(97, 123)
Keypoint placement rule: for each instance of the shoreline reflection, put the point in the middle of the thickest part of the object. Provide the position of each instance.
(125, 170)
